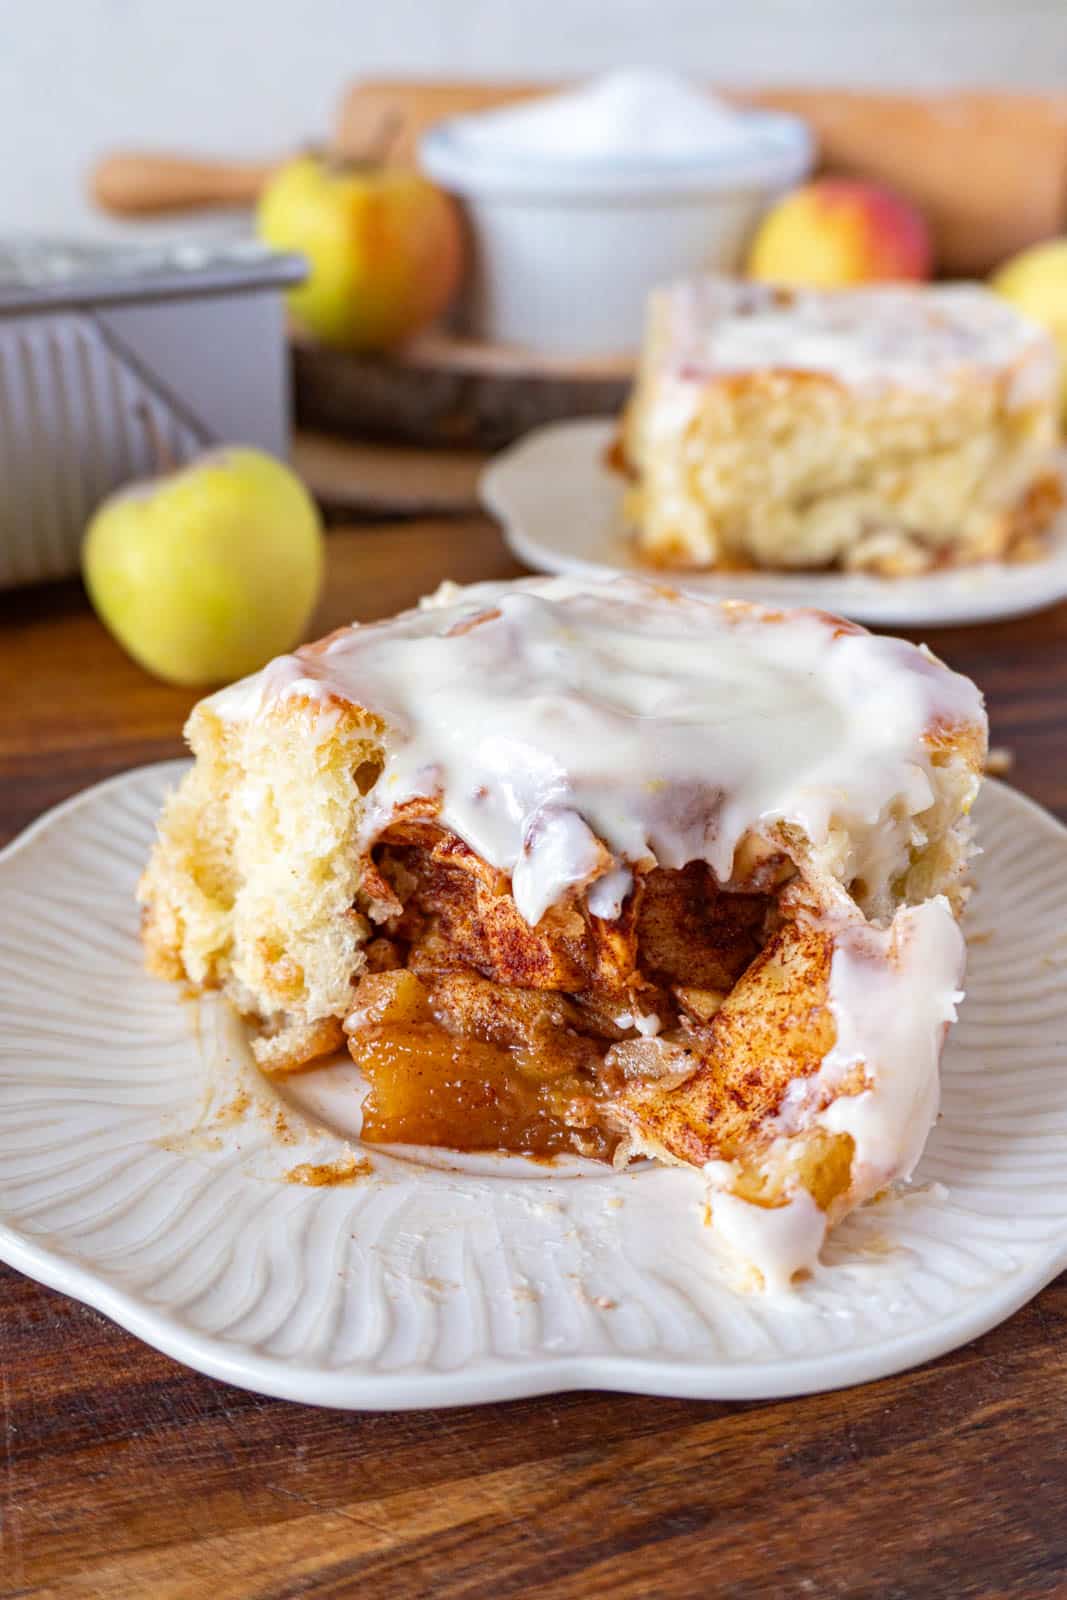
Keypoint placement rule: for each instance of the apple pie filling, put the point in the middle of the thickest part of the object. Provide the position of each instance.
(476, 1031)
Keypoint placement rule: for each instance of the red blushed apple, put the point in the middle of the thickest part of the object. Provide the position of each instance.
(840, 231)
(384, 248)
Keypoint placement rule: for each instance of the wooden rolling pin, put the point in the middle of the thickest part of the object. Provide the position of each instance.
(132, 183)
(988, 169)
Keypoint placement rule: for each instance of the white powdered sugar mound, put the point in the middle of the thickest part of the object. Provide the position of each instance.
(632, 115)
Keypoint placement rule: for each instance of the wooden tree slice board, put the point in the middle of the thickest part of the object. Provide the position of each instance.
(354, 478)
(443, 391)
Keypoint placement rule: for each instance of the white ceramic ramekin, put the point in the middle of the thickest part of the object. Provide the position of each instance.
(566, 252)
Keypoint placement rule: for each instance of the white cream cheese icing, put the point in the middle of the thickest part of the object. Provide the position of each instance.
(915, 336)
(572, 731)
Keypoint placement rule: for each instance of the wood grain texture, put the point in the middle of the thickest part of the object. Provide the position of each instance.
(123, 1474)
(351, 478)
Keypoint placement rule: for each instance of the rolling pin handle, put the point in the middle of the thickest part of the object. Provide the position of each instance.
(132, 183)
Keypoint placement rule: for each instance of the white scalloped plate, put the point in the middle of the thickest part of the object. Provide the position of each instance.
(560, 505)
(143, 1167)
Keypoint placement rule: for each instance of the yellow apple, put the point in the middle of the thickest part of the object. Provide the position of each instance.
(1036, 284)
(205, 573)
(833, 232)
(384, 248)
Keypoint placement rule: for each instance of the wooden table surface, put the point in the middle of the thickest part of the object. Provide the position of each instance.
(123, 1474)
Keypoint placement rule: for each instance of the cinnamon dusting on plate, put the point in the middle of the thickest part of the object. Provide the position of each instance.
(325, 1174)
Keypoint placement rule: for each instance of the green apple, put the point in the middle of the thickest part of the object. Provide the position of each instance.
(204, 573)
(384, 247)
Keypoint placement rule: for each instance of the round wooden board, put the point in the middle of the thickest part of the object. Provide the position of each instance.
(444, 391)
(369, 479)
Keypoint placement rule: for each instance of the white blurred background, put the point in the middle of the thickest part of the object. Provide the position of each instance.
(256, 77)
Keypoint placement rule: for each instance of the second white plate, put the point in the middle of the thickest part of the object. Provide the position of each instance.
(561, 509)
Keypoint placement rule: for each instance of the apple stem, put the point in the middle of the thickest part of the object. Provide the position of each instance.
(383, 144)
(379, 149)
(164, 455)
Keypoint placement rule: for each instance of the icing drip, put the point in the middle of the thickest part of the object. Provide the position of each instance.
(893, 992)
